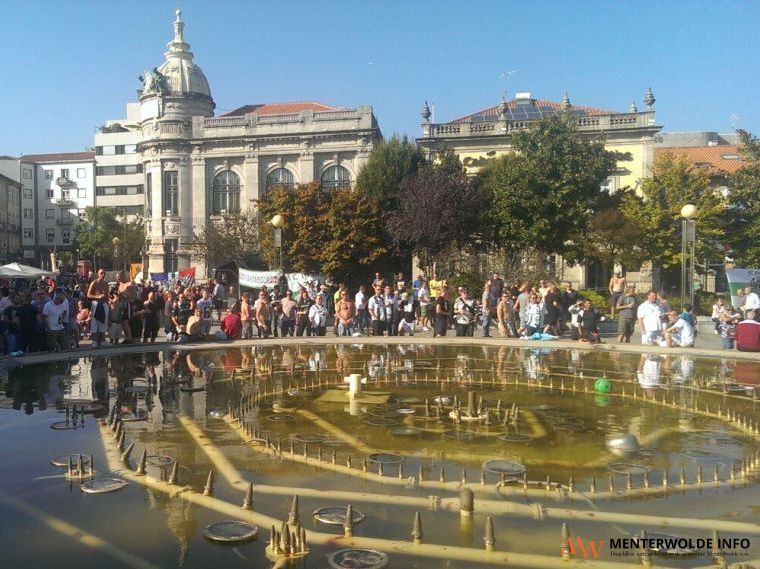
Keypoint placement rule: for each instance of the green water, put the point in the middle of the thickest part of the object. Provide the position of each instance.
(560, 433)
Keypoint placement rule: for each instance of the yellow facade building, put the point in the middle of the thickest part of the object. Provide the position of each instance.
(481, 136)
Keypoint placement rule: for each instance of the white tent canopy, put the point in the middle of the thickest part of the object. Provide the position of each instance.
(19, 271)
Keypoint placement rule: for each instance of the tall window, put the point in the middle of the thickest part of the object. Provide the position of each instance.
(226, 188)
(335, 177)
(171, 260)
(280, 177)
(171, 193)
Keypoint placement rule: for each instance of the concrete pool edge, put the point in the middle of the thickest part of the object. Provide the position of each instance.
(48, 357)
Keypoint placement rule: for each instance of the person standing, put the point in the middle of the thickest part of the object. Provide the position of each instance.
(616, 288)
(362, 313)
(288, 321)
(443, 312)
(56, 312)
(626, 304)
(345, 314)
(521, 307)
(206, 305)
(464, 314)
(246, 316)
(151, 318)
(649, 317)
(391, 311)
(11, 318)
(553, 310)
(376, 307)
(303, 305)
(424, 300)
(488, 305)
(97, 293)
(504, 315)
(263, 315)
(275, 303)
(318, 315)
(220, 299)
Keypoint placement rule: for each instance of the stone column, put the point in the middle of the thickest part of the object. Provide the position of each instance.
(185, 183)
(156, 230)
(199, 210)
(250, 190)
(306, 172)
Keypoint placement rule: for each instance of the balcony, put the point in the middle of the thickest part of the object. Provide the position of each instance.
(64, 201)
(64, 182)
(64, 222)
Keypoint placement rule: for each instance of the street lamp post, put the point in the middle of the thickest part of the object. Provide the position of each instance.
(115, 242)
(688, 241)
(278, 222)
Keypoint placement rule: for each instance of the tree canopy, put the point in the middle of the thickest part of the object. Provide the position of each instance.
(337, 231)
(675, 182)
(744, 205)
(233, 239)
(391, 163)
(546, 191)
(96, 230)
(439, 209)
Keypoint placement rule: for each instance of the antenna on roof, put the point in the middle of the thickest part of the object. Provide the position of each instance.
(505, 76)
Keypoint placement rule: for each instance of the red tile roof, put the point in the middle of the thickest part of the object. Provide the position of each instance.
(542, 105)
(59, 157)
(279, 108)
(719, 159)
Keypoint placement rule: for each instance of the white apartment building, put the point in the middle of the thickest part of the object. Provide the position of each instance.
(55, 190)
(118, 165)
(10, 219)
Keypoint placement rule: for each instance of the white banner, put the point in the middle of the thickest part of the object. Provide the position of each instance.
(257, 279)
(742, 279)
(301, 279)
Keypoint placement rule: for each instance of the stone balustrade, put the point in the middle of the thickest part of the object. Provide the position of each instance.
(616, 121)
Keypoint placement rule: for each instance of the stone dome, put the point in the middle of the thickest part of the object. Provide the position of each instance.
(179, 75)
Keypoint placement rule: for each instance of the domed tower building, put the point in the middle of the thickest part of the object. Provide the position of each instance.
(200, 168)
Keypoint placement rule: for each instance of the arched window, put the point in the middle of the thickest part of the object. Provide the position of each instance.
(226, 192)
(335, 177)
(280, 177)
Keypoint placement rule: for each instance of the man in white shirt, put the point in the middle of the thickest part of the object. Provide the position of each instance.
(56, 312)
(681, 333)
(377, 314)
(318, 316)
(362, 314)
(649, 316)
(751, 301)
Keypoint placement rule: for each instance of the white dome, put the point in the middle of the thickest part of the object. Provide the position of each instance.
(178, 75)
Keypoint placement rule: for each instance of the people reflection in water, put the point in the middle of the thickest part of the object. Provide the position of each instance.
(649, 373)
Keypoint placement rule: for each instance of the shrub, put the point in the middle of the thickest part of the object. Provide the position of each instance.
(600, 300)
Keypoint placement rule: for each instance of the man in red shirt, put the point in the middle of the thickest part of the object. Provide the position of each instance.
(748, 334)
(231, 325)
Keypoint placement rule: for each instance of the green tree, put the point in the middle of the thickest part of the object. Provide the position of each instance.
(233, 239)
(744, 205)
(610, 237)
(97, 229)
(441, 211)
(675, 182)
(337, 231)
(547, 190)
(390, 163)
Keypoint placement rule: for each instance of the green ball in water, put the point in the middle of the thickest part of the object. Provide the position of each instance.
(602, 385)
(601, 400)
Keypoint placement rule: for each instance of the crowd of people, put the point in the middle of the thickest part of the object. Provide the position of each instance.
(55, 317)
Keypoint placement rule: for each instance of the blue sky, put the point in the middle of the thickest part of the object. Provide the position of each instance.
(68, 66)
